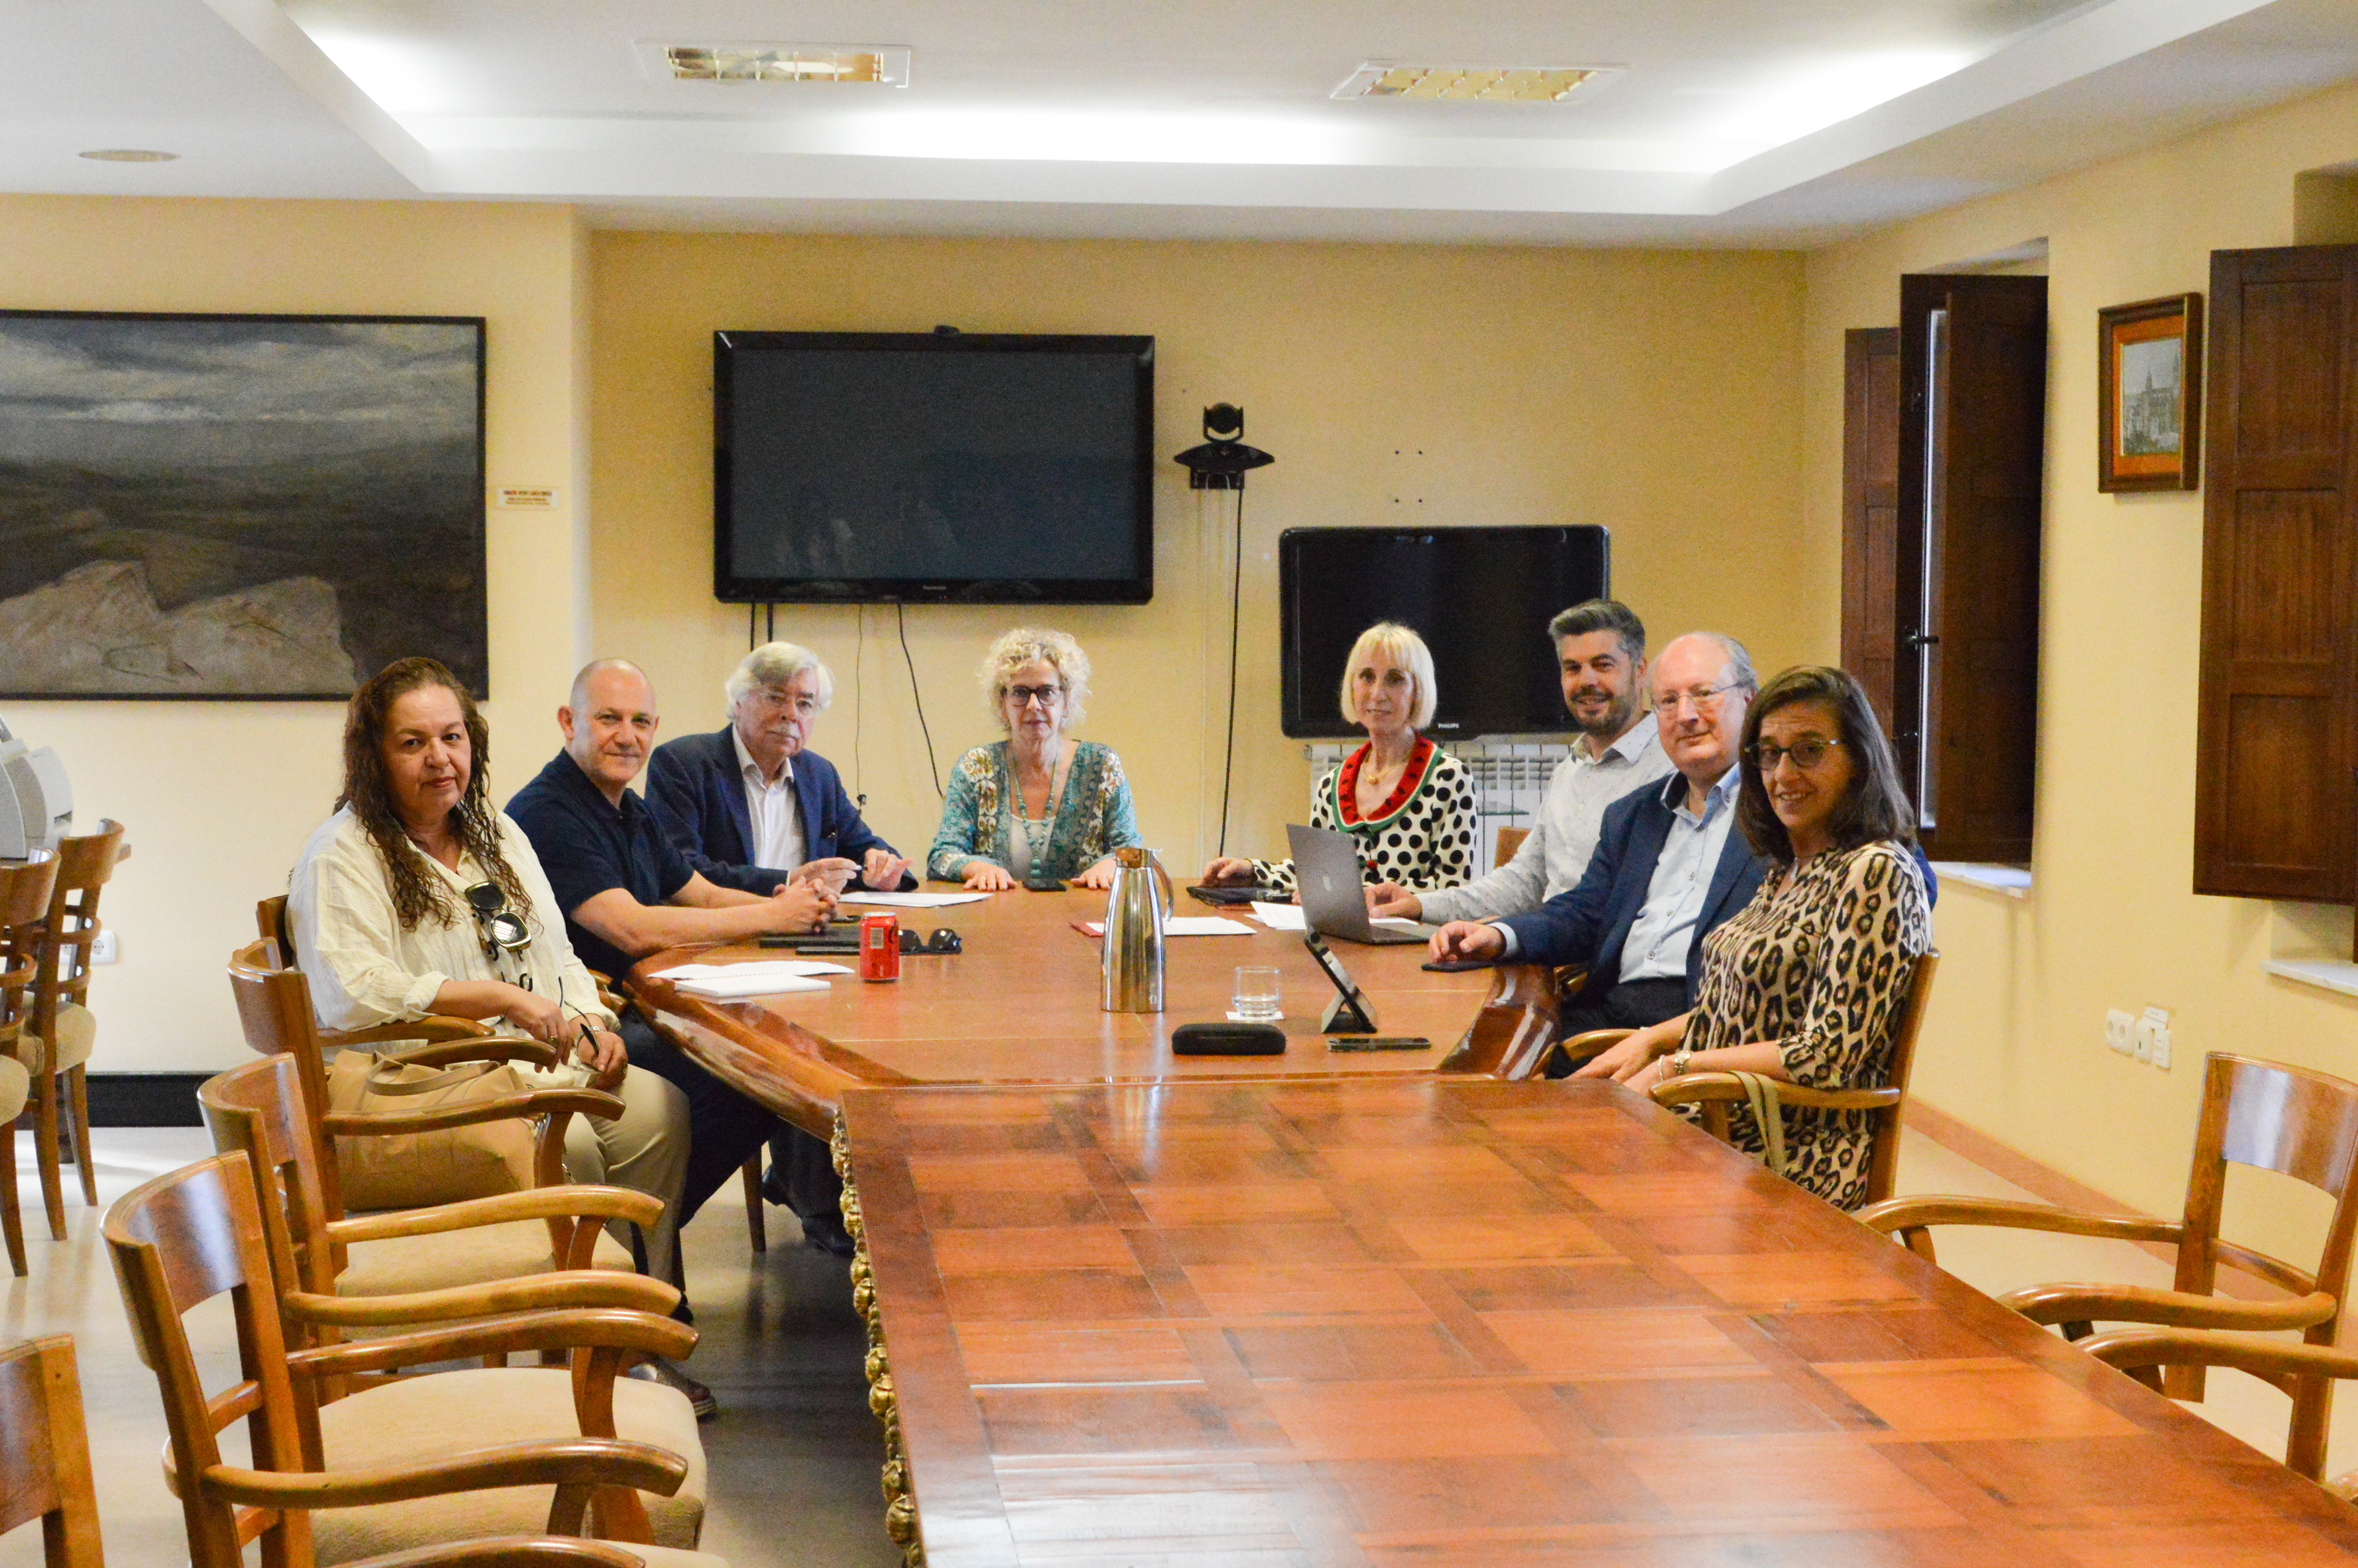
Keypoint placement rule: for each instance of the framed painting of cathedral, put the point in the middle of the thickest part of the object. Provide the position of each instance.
(2149, 395)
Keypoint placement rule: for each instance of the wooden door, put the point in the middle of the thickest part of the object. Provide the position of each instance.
(1972, 369)
(1870, 630)
(2276, 809)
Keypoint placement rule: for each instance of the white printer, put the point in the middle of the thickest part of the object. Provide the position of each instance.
(35, 800)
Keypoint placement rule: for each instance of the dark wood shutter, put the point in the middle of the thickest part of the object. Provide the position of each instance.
(2276, 809)
(1973, 368)
(1870, 628)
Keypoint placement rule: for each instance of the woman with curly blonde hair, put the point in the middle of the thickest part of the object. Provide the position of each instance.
(1038, 805)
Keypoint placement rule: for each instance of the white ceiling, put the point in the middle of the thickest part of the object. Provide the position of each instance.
(1730, 122)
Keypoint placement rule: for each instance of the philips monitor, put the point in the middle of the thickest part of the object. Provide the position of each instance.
(975, 468)
(1480, 598)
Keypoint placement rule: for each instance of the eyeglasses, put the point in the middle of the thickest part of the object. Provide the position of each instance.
(1806, 753)
(804, 705)
(498, 927)
(1704, 697)
(1024, 696)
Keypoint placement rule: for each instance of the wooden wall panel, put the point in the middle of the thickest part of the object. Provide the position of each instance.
(1972, 457)
(1870, 627)
(2276, 799)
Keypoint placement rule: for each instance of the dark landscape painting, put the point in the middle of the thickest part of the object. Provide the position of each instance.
(237, 507)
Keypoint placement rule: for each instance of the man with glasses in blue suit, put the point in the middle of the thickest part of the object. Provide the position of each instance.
(750, 807)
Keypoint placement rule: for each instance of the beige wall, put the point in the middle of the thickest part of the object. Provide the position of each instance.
(2015, 1041)
(219, 795)
(1656, 392)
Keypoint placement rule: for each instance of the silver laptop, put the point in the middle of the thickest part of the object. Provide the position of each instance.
(1334, 898)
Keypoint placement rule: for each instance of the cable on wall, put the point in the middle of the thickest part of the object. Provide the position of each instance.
(752, 623)
(933, 769)
(1236, 609)
(858, 702)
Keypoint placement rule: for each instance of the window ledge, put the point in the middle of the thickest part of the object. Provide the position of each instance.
(2013, 882)
(2327, 974)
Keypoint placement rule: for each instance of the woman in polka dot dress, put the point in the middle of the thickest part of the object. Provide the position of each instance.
(1409, 804)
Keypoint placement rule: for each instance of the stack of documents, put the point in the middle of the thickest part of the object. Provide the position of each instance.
(767, 976)
(915, 900)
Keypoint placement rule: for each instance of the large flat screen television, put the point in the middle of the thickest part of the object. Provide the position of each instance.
(1480, 598)
(982, 468)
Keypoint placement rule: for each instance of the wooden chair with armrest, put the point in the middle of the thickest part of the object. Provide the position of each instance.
(1715, 1092)
(2285, 1365)
(1507, 841)
(2299, 1123)
(382, 1253)
(256, 1109)
(270, 915)
(45, 1464)
(443, 1457)
(24, 901)
(61, 1032)
(45, 1475)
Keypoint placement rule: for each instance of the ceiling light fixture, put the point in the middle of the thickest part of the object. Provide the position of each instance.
(129, 155)
(875, 65)
(1469, 83)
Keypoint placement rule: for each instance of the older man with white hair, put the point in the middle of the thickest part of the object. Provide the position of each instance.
(750, 805)
(752, 808)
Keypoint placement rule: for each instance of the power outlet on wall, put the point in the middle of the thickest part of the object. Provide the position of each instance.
(103, 949)
(2153, 1038)
(2120, 1032)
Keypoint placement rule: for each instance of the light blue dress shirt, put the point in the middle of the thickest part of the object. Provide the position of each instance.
(1659, 942)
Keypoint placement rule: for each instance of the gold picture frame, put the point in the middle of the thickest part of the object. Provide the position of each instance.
(2149, 395)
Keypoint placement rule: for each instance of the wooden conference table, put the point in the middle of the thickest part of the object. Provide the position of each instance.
(1020, 1005)
(1427, 1322)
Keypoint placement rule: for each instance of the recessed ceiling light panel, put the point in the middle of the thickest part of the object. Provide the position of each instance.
(873, 64)
(129, 155)
(1470, 84)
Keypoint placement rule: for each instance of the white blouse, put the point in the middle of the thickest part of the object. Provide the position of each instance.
(365, 969)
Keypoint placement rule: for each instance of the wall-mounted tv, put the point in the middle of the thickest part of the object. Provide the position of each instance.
(978, 468)
(1480, 598)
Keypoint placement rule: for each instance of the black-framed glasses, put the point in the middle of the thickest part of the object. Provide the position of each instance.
(1022, 697)
(1806, 752)
(498, 927)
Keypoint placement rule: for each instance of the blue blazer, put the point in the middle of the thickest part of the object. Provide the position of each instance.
(1590, 925)
(698, 797)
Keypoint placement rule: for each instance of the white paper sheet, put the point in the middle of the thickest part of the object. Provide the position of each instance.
(798, 968)
(915, 900)
(1279, 916)
(1204, 925)
(735, 988)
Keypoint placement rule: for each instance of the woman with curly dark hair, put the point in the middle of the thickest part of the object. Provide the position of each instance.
(417, 896)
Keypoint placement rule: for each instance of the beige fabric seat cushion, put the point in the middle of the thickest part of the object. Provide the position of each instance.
(77, 1034)
(446, 1414)
(402, 1263)
(15, 1089)
(670, 1556)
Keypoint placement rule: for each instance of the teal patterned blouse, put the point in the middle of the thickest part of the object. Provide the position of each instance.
(1094, 818)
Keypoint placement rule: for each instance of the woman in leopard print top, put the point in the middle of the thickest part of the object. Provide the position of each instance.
(1807, 983)
(1409, 804)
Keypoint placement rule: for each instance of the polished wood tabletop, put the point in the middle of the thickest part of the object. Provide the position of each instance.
(1440, 1321)
(1020, 1005)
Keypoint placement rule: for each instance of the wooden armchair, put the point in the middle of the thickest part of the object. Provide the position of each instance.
(24, 902)
(257, 1111)
(45, 1475)
(61, 1032)
(2288, 1119)
(45, 1464)
(444, 1458)
(2290, 1368)
(384, 1254)
(1715, 1092)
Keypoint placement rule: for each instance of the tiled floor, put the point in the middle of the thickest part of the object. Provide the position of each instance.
(795, 1455)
